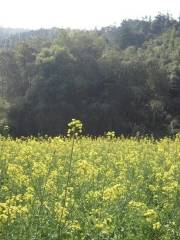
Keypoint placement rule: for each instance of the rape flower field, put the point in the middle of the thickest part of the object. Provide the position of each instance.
(83, 188)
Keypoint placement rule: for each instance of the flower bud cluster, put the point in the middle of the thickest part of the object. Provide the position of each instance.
(74, 128)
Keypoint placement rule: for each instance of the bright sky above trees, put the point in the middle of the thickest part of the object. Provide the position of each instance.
(80, 13)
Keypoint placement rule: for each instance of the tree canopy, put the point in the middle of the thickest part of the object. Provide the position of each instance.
(124, 78)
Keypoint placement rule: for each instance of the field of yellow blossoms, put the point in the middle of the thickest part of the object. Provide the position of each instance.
(82, 188)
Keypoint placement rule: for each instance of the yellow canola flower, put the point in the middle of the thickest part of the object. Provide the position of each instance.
(156, 226)
(170, 187)
(75, 225)
(29, 194)
(74, 128)
(144, 172)
(3, 218)
(100, 226)
(150, 215)
(85, 169)
(9, 211)
(113, 193)
(136, 205)
(93, 195)
(105, 226)
(39, 169)
(51, 186)
(60, 212)
(16, 173)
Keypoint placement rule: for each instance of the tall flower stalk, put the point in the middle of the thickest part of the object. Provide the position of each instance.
(74, 131)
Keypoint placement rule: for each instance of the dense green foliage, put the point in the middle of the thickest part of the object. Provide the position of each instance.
(124, 78)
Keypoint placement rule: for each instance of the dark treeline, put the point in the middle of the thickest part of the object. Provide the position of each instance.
(125, 79)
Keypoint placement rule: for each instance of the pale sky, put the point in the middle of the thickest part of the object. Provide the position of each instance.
(82, 14)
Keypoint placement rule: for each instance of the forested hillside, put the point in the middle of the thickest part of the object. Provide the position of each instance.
(125, 79)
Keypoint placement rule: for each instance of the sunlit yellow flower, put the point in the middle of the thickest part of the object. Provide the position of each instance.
(156, 226)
